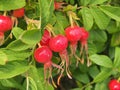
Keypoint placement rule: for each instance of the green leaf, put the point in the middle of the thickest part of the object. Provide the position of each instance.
(113, 28)
(33, 73)
(12, 69)
(46, 10)
(3, 58)
(101, 60)
(61, 23)
(115, 41)
(111, 11)
(32, 85)
(11, 83)
(16, 31)
(102, 85)
(18, 45)
(19, 55)
(100, 34)
(105, 73)
(91, 48)
(84, 2)
(31, 37)
(87, 18)
(101, 19)
(93, 71)
(117, 57)
(79, 76)
(94, 2)
(7, 5)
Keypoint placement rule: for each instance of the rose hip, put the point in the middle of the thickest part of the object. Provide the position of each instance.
(19, 12)
(45, 38)
(44, 55)
(73, 34)
(5, 23)
(59, 44)
(114, 85)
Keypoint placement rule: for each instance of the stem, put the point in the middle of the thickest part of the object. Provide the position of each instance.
(27, 81)
(5, 13)
(71, 19)
(49, 27)
(86, 85)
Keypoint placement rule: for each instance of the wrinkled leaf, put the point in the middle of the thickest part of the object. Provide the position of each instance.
(115, 41)
(6, 5)
(16, 31)
(3, 58)
(105, 73)
(87, 18)
(101, 60)
(18, 45)
(117, 57)
(19, 55)
(113, 12)
(84, 2)
(46, 8)
(101, 19)
(61, 23)
(31, 37)
(94, 2)
(113, 28)
(36, 80)
(102, 85)
(93, 71)
(11, 83)
(98, 35)
(12, 69)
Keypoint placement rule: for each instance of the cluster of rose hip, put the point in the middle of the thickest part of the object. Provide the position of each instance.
(7, 22)
(59, 43)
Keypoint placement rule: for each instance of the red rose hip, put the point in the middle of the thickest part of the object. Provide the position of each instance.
(5, 23)
(45, 38)
(43, 54)
(19, 12)
(114, 85)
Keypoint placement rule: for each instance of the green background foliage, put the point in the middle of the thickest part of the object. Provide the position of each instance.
(101, 18)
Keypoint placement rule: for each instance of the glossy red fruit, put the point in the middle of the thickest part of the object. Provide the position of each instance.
(5, 23)
(45, 38)
(114, 85)
(43, 54)
(19, 12)
(73, 34)
(58, 43)
(84, 34)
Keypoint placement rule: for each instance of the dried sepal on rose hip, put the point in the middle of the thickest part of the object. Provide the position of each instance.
(59, 44)
(114, 84)
(43, 55)
(84, 45)
(5, 23)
